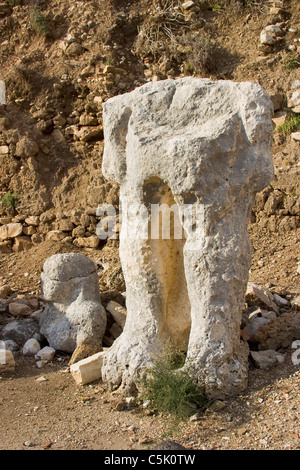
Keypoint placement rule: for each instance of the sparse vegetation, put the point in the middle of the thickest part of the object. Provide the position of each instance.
(292, 124)
(291, 62)
(39, 23)
(10, 199)
(171, 390)
(166, 36)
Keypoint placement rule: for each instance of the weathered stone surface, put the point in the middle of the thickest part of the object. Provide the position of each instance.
(45, 354)
(19, 309)
(7, 361)
(4, 149)
(87, 370)
(87, 347)
(55, 235)
(279, 333)
(73, 311)
(260, 296)
(5, 291)
(118, 312)
(267, 358)
(32, 220)
(21, 330)
(296, 136)
(10, 230)
(26, 147)
(2, 92)
(31, 347)
(88, 242)
(206, 145)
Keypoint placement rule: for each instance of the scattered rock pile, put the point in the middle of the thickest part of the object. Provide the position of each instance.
(271, 323)
(68, 318)
(20, 233)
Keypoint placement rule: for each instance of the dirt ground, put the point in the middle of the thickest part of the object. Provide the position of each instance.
(56, 414)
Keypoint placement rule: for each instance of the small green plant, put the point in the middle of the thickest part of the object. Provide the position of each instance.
(291, 62)
(217, 7)
(10, 199)
(39, 23)
(171, 390)
(292, 124)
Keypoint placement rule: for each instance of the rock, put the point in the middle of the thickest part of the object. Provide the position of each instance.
(269, 35)
(115, 330)
(37, 238)
(5, 291)
(2, 92)
(87, 71)
(45, 354)
(88, 242)
(88, 120)
(267, 38)
(11, 345)
(280, 301)
(267, 358)
(188, 5)
(65, 225)
(22, 243)
(279, 118)
(254, 325)
(217, 405)
(7, 361)
(30, 230)
(32, 220)
(87, 370)
(11, 230)
(59, 121)
(279, 333)
(19, 309)
(179, 139)
(78, 232)
(112, 69)
(58, 136)
(73, 304)
(26, 147)
(55, 235)
(296, 136)
(31, 347)
(87, 347)
(21, 330)
(261, 296)
(295, 84)
(169, 444)
(118, 313)
(88, 134)
(294, 99)
(4, 149)
(75, 49)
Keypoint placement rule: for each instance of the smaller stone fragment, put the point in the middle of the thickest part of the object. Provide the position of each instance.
(87, 370)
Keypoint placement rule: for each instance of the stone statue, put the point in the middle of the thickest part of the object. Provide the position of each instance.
(202, 147)
(73, 311)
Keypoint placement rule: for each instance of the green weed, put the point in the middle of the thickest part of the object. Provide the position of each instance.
(173, 391)
(292, 124)
(10, 199)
